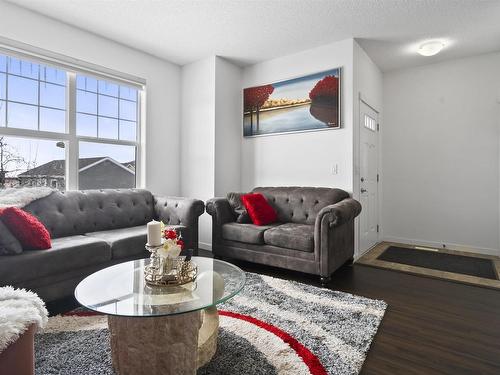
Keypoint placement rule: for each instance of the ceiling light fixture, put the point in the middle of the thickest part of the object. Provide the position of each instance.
(430, 48)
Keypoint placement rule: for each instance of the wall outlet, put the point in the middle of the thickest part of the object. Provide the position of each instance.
(335, 169)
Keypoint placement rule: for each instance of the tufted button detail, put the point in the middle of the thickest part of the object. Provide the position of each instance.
(165, 205)
(176, 205)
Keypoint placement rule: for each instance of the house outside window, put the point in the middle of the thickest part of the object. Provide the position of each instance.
(66, 129)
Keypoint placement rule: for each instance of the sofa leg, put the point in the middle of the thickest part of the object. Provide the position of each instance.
(350, 261)
(325, 280)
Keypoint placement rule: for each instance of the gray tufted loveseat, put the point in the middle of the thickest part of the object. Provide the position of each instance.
(91, 230)
(315, 233)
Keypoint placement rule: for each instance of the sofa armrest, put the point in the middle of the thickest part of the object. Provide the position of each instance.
(339, 213)
(220, 210)
(181, 211)
(334, 235)
(221, 213)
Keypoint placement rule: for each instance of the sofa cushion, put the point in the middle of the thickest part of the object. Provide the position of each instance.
(300, 204)
(248, 233)
(124, 242)
(9, 245)
(239, 209)
(66, 254)
(127, 242)
(79, 212)
(291, 236)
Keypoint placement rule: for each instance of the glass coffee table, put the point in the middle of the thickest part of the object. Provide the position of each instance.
(160, 330)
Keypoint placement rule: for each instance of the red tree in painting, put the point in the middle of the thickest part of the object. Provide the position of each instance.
(325, 90)
(254, 98)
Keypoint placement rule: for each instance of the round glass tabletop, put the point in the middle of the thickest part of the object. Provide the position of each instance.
(122, 290)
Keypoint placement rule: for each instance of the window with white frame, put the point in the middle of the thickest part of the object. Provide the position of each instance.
(66, 129)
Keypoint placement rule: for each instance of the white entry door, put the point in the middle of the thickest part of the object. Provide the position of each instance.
(368, 220)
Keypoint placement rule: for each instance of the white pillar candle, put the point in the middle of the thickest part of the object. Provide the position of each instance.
(154, 233)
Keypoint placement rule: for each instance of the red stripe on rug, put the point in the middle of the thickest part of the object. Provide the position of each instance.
(312, 362)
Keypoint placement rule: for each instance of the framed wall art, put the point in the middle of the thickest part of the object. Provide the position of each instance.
(307, 103)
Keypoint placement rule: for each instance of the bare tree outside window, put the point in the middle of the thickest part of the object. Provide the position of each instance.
(11, 162)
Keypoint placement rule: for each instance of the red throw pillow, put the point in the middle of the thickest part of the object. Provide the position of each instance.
(259, 209)
(28, 230)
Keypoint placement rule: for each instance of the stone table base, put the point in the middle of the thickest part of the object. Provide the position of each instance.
(175, 344)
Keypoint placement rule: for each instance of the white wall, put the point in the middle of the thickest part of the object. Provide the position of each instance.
(305, 159)
(198, 136)
(210, 133)
(228, 110)
(163, 83)
(441, 154)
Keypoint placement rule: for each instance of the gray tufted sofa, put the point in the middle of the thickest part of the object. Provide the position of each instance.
(315, 233)
(91, 230)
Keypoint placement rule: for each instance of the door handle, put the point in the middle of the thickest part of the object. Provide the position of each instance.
(363, 190)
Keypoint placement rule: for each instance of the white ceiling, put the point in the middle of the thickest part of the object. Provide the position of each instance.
(249, 31)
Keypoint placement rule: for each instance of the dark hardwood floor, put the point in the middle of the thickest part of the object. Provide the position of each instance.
(430, 327)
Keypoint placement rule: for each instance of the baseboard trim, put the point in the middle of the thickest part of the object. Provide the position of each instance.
(205, 246)
(439, 245)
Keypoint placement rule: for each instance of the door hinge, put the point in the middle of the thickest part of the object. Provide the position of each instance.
(378, 178)
(378, 228)
(378, 126)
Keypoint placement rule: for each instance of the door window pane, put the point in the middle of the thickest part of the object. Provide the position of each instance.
(33, 163)
(108, 106)
(128, 130)
(86, 125)
(108, 128)
(52, 120)
(128, 110)
(23, 90)
(52, 95)
(22, 116)
(86, 102)
(106, 166)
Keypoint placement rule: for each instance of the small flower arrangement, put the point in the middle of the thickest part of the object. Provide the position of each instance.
(172, 245)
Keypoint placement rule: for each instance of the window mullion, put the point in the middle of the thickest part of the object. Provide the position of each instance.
(72, 146)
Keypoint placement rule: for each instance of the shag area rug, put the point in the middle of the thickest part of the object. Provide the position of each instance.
(272, 327)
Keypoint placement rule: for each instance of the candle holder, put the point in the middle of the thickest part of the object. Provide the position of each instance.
(169, 271)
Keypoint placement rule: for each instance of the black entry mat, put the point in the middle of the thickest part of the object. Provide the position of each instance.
(464, 265)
